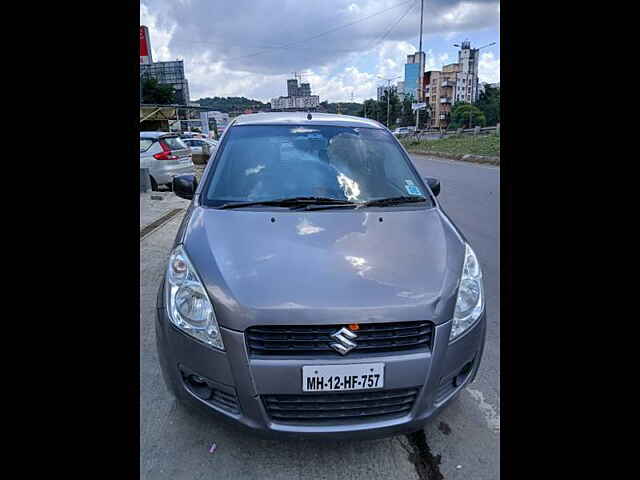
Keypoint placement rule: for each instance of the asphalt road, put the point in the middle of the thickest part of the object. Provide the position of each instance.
(175, 442)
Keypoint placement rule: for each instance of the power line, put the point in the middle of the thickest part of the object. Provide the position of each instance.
(322, 33)
(395, 24)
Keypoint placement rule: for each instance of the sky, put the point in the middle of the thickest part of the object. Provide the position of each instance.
(249, 48)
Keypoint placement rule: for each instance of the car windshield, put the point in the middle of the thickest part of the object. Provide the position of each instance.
(261, 163)
(174, 143)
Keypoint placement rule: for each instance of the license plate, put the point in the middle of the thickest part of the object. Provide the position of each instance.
(338, 378)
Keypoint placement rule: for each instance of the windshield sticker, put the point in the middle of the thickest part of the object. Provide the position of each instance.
(409, 182)
(412, 190)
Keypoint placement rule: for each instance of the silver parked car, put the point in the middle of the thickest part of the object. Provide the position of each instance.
(196, 144)
(316, 288)
(165, 155)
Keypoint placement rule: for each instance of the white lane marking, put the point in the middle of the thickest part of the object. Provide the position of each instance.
(490, 415)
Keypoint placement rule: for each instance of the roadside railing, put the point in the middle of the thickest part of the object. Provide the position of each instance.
(430, 133)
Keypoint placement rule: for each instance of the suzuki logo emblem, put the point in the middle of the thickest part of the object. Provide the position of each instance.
(343, 339)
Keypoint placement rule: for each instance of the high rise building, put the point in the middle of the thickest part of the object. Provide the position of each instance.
(304, 90)
(292, 87)
(412, 74)
(457, 82)
(298, 97)
(169, 73)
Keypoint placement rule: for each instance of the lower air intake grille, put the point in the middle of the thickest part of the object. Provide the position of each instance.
(339, 407)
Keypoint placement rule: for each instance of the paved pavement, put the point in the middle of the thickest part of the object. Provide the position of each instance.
(175, 442)
(153, 205)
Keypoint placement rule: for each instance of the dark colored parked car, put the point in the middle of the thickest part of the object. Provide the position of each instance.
(316, 288)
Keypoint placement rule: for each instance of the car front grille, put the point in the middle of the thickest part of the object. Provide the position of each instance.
(340, 407)
(314, 340)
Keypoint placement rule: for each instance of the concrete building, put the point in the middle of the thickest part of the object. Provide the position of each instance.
(292, 87)
(467, 82)
(457, 82)
(439, 93)
(412, 74)
(298, 98)
(382, 89)
(400, 91)
(304, 90)
(295, 103)
(168, 73)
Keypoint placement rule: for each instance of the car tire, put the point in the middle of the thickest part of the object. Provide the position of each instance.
(154, 185)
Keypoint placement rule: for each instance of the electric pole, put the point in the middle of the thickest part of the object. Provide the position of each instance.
(388, 90)
(421, 72)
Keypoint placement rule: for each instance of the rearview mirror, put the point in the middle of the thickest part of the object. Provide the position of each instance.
(434, 185)
(184, 186)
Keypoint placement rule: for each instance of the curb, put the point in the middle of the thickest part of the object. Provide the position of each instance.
(460, 157)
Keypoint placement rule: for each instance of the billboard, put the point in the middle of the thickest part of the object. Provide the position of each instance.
(145, 45)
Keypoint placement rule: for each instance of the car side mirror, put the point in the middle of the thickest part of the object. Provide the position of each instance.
(184, 186)
(434, 185)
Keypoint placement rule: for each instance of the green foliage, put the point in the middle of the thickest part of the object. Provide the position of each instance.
(157, 93)
(232, 104)
(458, 144)
(489, 104)
(345, 108)
(462, 112)
(378, 111)
(408, 116)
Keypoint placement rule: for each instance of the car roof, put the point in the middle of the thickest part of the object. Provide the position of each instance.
(157, 134)
(284, 118)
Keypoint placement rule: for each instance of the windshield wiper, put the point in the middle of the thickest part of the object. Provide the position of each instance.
(381, 202)
(290, 202)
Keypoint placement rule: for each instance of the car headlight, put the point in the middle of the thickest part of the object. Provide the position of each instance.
(470, 301)
(187, 302)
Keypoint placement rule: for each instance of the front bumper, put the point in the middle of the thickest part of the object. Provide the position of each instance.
(239, 380)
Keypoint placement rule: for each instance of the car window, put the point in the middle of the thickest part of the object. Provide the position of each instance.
(174, 143)
(145, 143)
(277, 161)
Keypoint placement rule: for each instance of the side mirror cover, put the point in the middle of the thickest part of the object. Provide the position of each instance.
(184, 186)
(434, 185)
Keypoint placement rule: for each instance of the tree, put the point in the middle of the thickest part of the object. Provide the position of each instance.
(408, 116)
(374, 110)
(461, 113)
(394, 109)
(489, 103)
(232, 104)
(157, 93)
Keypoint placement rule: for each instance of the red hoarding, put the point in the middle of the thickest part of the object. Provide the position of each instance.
(144, 52)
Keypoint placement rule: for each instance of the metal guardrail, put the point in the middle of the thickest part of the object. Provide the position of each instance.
(420, 134)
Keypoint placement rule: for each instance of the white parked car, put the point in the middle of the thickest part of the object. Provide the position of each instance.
(196, 144)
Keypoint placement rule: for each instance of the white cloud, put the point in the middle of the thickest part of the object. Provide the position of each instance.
(489, 68)
(237, 49)
(159, 37)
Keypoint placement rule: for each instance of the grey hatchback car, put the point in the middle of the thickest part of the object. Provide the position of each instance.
(315, 287)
